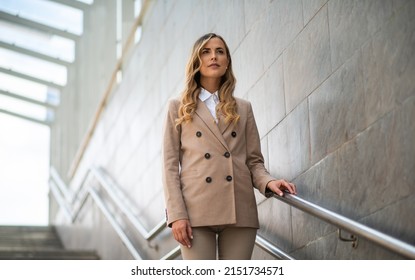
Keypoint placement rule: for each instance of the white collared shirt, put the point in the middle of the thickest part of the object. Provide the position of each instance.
(211, 100)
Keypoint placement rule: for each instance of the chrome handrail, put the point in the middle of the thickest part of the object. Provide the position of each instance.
(66, 199)
(272, 249)
(172, 254)
(62, 196)
(127, 242)
(385, 241)
(122, 203)
(58, 187)
(60, 199)
(62, 187)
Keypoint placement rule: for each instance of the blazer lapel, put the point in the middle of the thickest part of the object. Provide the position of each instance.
(222, 125)
(203, 112)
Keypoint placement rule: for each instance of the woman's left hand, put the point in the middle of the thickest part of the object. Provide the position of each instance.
(279, 186)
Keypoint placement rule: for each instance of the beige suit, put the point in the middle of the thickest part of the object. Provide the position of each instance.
(209, 169)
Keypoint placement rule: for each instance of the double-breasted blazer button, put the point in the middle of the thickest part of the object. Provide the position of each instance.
(233, 134)
(198, 134)
(207, 156)
(228, 178)
(208, 179)
(227, 154)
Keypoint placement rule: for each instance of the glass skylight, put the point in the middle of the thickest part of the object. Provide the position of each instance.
(38, 68)
(23, 108)
(46, 12)
(26, 88)
(38, 41)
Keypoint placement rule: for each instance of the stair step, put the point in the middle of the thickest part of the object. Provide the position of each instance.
(24, 236)
(36, 243)
(27, 254)
(29, 241)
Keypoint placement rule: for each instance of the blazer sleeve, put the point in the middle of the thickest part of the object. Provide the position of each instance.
(255, 159)
(175, 205)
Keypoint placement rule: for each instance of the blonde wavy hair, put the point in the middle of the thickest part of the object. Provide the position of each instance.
(227, 105)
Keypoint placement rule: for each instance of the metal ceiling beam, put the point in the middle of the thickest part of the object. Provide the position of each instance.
(25, 51)
(30, 78)
(26, 99)
(36, 25)
(48, 123)
(73, 4)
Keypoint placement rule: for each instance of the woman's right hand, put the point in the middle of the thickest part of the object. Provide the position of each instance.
(182, 232)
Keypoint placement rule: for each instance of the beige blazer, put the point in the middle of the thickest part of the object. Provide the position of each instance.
(209, 169)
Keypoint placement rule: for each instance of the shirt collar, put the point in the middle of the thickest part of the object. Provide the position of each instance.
(204, 94)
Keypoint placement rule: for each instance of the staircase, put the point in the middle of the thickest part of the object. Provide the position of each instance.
(36, 243)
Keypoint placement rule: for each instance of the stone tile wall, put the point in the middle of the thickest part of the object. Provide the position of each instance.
(333, 91)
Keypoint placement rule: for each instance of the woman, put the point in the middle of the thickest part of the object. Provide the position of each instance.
(212, 159)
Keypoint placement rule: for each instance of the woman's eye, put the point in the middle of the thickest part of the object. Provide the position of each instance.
(205, 51)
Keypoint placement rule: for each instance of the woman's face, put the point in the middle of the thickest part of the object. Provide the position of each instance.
(214, 59)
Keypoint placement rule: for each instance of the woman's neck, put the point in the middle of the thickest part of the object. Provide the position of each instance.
(211, 85)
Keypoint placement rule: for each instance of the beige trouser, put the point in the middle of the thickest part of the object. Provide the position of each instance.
(232, 243)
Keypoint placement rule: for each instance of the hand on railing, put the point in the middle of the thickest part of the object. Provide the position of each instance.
(279, 186)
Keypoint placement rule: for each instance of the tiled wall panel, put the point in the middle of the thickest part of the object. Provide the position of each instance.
(332, 88)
